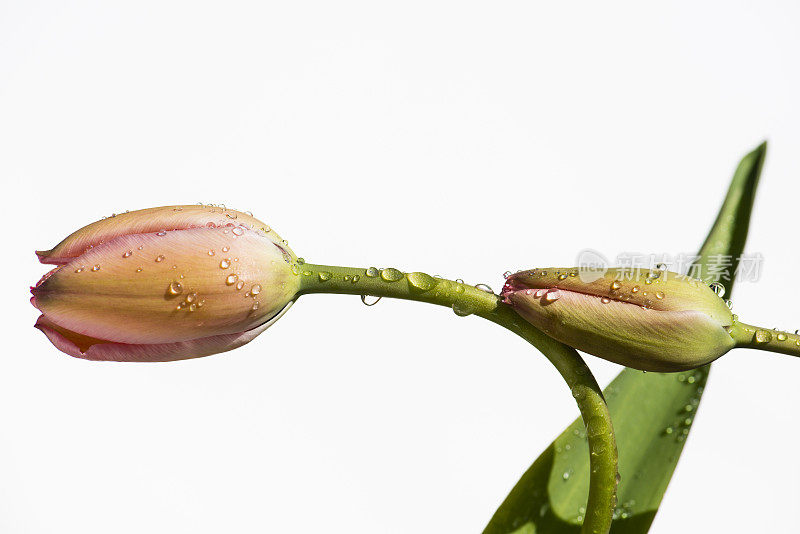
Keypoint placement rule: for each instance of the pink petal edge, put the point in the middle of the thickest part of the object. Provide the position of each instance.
(158, 352)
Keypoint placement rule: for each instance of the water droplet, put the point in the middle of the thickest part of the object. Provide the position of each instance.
(462, 309)
(225, 249)
(615, 285)
(159, 258)
(248, 213)
(562, 276)
(668, 430)
(191, 297)
(372, 303)
(200, 304)
(763, 336)
(231, 279)
(355, 278)
(659, 295)
(211, 252)
(192, 307)
(324, 276)
(717, 288)
(175, 288)
(127, 254)
(224, 264)
(255, 306)
(372, 272)
(161, 233)
(421, 281)
(239, 284)
(96, 267)
(652, 275)
(782, 337)
(729, 304)
(79, 269)
(661, 266)
(391, 274)
(506, 274)
(552, 295)
(238, 231)
(484, 287)
(567, 474)
(139, 270)
(635, 289)
(605, 300)
(231, 215)
(141, 247)
(256, 289)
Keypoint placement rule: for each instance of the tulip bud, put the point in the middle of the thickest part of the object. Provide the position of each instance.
(164, 284)
(646, 319)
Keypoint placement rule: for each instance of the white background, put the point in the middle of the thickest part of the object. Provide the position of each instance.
(457, 138)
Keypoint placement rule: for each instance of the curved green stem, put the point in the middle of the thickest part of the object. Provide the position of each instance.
(754, 337)
(465, 300)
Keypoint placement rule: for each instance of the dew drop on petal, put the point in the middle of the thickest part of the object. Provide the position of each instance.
(605, 300)
(238, 231)
(79, 269)
(224, 264)
(255, 306)
(635, 289)
(96, 267)
(717, 288)
(161, 233)
(231, 279)
(552, 295)
(615, 285)
(191, 297)
(225, 249)
(256, 289)
(659, 295)
(159, 258)
(782, 336)
(239, 284)
(127, 254)
(211, 253)
(372, 272)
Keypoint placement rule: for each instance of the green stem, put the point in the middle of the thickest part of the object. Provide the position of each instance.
(465, 300)
(755, 337)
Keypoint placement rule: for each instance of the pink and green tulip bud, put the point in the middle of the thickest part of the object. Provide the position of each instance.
(648, 320)
(164, 284)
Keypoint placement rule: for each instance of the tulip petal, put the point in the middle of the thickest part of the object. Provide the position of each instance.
(183, 285)
(657, 290)
(88, 348)
(624, 333)
(151, 220)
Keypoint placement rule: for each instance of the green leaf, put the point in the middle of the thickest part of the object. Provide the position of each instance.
(652, 414)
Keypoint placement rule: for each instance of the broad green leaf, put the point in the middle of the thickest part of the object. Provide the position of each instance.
(652, 414)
